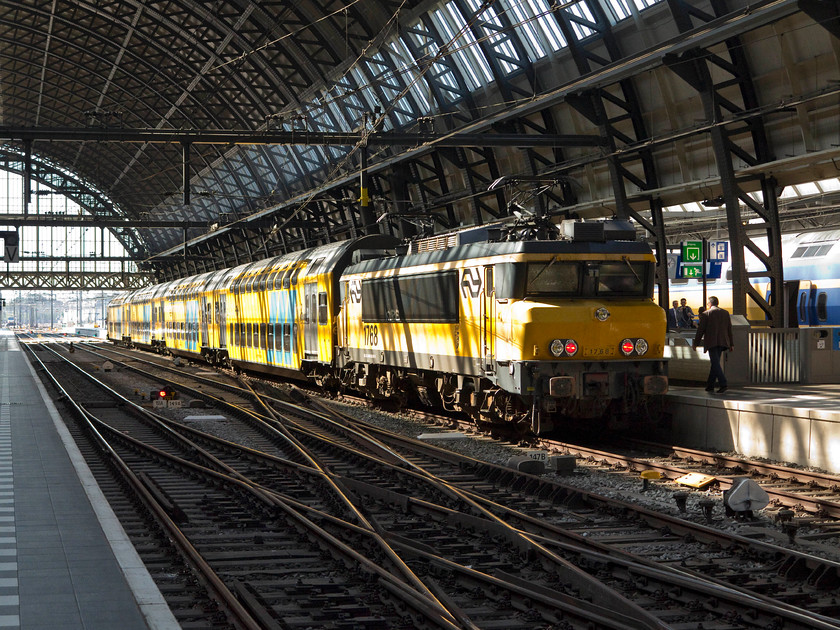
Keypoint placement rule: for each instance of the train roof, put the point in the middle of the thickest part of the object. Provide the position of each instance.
(488, 249)
(322, 259)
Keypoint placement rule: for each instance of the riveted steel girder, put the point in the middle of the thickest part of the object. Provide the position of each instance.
(75, 280)
(743, 141)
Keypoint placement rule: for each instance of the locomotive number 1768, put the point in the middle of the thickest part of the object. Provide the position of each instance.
(371, 333)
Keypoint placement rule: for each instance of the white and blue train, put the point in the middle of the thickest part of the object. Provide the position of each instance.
(811, 282)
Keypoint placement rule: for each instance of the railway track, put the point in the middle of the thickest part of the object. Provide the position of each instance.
(549, 541)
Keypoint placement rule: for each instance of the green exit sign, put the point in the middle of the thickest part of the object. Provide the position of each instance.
(692, 271)
(692, 251)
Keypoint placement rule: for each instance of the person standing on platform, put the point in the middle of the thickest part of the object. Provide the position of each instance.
(687, 314)
(673, 314)
(715, 332)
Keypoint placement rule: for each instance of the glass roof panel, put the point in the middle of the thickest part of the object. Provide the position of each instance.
(523, 19)
(810, 188)
(829, 185)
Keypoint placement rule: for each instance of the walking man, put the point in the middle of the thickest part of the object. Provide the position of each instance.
(715, 332)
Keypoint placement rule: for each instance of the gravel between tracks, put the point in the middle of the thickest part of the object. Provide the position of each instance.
(590, 478)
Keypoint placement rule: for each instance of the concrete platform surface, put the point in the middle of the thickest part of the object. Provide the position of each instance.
(790, 423)
(65, 561)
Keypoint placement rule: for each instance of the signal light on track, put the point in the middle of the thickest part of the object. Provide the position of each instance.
(166, 392)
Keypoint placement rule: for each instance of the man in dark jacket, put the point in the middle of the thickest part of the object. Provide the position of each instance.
(715, 331)
(673, 312)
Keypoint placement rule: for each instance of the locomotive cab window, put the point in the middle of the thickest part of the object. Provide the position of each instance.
(622, 278)
(553, 278)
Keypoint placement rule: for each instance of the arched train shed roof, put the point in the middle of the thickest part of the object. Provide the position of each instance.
(208, 134)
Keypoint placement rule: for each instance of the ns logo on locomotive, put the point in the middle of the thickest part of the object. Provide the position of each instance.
(510, 328)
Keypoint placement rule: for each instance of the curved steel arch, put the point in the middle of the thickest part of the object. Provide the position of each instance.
(75, 189)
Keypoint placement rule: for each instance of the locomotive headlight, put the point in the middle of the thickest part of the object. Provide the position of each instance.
(641, 346)
(627, 347)
(571, 347)
(602, 314)
(556, 347)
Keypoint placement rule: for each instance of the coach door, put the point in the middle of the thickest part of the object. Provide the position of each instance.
(154, 324)
(206, 318)
(310, 321)
(488, 321)
(221, 318)
(804, 304)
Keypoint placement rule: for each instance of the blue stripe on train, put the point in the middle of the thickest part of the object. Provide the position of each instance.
(281, 311)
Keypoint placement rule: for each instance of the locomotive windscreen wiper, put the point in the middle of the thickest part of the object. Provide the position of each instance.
(551, 262)
(627, 262)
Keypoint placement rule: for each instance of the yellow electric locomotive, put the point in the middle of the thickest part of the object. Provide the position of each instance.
(517, 331)
(527, 332)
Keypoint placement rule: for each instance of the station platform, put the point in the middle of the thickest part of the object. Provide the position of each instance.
(65, 561)
(786, 422)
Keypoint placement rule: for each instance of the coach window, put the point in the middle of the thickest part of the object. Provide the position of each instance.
(287, 337)
(322, 308)
(286, 281)
(822, 306)
(298, 269)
